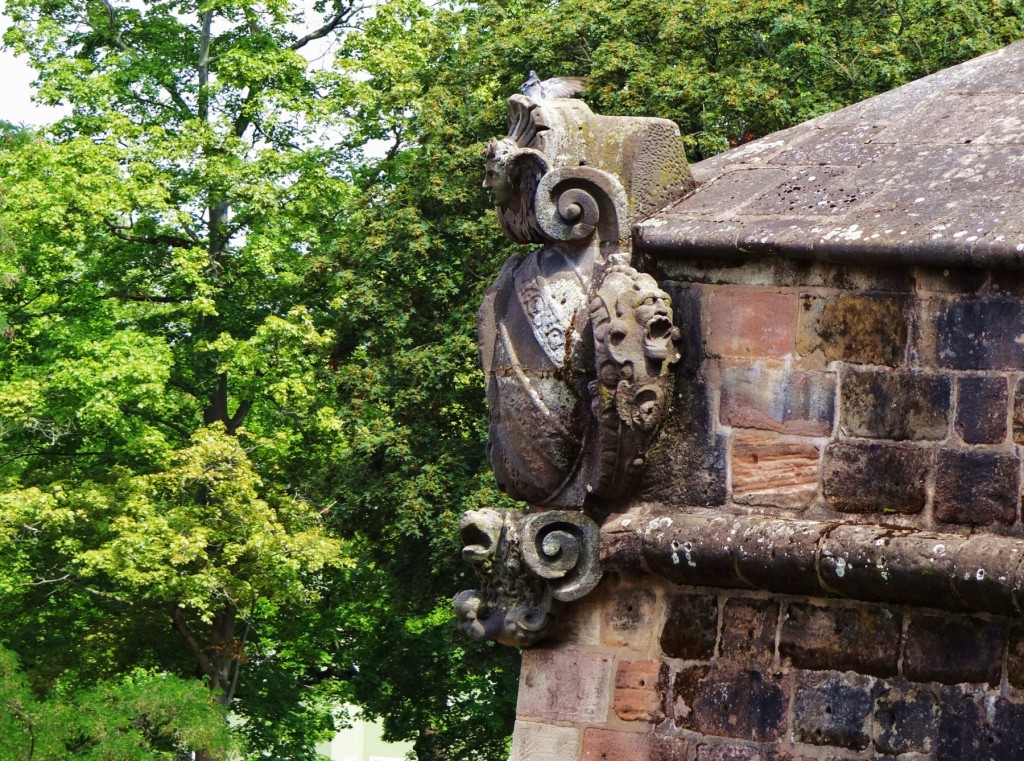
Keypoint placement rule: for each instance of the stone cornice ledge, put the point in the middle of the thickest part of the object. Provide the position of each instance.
(875, 563)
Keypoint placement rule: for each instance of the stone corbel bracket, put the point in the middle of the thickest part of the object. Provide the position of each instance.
(872, 563)
(576, 344)
(526, 564)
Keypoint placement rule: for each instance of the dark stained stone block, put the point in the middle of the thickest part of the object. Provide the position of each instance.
(905, 720)
(981, 409)
(748, 631)
(748, 705)
(876, 477)
(1018, 413)
(800, 403)
(976, 727)
(1015, 657)
(867, 330)
(839, 638)
(897, 405)
(981, 333)
(691, 627)
(833, 709)
(976, 488)
(952, 649)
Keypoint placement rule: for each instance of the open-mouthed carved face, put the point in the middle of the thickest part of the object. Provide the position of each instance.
(654, 314)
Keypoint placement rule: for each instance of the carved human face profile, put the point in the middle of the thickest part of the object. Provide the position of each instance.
(496, 178)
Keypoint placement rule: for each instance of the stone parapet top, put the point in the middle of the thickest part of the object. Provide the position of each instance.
(927, 174)
(876, 563)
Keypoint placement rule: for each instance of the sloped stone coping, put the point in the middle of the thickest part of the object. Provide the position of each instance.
(873, 563)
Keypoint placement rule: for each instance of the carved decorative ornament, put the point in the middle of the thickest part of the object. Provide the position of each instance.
(577, 347)
(576, 344)
(527, 564)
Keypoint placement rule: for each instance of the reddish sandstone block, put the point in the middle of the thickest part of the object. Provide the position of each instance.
(750, 323)
(638, 690)
(564, 685)
(778, 400)
(544, 742)
(775, 473)
(628, 618)
(606, 745)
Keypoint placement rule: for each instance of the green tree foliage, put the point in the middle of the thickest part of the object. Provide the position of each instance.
(239, 406)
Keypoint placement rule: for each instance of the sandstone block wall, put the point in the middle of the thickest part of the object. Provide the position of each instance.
(809, 389)
(889, 397)
(648, 671)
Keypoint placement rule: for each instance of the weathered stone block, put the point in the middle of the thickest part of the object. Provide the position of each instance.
(544, 742)
(865, 330)
(749, 705)
(1018, 413)
(691, 627)
(906, 720)
(875, 477)
(607, 745)
(901, 405)
(750, 323)
(1015, 657)
(800, 403)
(774, 473)
(639, 690)
(981, 409)
(952, 649)
(748, 632)
(975, 726)
(833, 709)
(976, 488)
(728, 753)
(980, 333)
(544, 674)
(629, 618)
(839, 638)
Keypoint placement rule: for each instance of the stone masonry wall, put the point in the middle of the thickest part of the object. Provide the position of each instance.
(888, 396)
(647, 671)
(813, 391)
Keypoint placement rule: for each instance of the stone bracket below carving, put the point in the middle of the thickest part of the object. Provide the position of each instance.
(875, 563)
(526, 565)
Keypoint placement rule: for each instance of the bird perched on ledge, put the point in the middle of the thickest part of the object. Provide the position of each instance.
(556, 87)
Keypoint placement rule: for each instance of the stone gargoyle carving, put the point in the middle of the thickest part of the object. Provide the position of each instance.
(527, 564)
(575, 343)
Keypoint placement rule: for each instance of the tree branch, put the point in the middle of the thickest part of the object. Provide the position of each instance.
(329, 26)
(178, 619)
(163, 239)
(204, 65)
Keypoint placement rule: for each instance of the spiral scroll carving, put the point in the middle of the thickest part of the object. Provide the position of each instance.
(555, 546)
(571, 204)
(526, 565)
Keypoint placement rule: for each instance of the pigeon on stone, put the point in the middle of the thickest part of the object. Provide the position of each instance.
(556, 87)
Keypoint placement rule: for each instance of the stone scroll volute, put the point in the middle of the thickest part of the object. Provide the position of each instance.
(576, 346)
